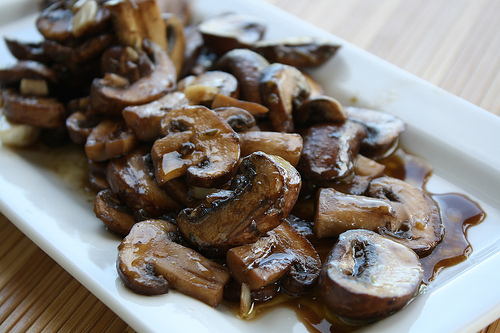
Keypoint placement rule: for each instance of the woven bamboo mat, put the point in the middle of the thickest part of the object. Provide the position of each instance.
(451, 43)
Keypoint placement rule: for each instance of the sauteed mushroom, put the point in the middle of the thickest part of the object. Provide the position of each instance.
(283, 88)
(131, 178)
(367, 277)
(297, 51)
(150, 261)
(283, 254)
(263, 192)
(112, 99)
(330, 150)
(197, 143)
(319, 109)
(202, 89)
(117, 217)
(247, 67)
(286, 145)
(42, 112)
(383, 130)
(419, 225)
(231, 31)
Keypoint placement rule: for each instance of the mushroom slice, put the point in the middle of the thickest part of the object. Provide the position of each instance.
(319, 109)
(247, 67)
(131, 178)
(230, 31)
(255, 109)
(419, 225)
(202, 89)
(26, 51)
(383, 130)
(137, 21)
(282, 254)
(198, 143)
(110, 138)
(86, 51)
(283, 88)
(117, 217)
(28, 69)
(338, 212)
(149, 261)
(297, 51)
(112, 99)
(330, 150)
(54, 22)
(263, 192)
(175, 40)
(42, 112)
(367, 277)
(79, 125)
(365, 170)
(89, 18)
(285, 145)
(239, 119)
(145, 119)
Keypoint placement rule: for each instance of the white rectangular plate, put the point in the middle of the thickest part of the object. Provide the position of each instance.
(460, 140)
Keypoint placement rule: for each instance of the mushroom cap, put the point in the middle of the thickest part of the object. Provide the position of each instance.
(198, 143)
(367, 276)
(261, 194)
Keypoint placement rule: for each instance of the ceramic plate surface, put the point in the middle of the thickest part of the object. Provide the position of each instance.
(460, 140)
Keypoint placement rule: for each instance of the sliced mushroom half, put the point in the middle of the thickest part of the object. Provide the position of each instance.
(367, 276)
(229, 31)
(330, 150)
(111, 98)
(283, 254)
(283, 88)
(247, 67)
(263, 192)
(297, 51)
(197, 143)
(383, 130)
(419, 225)
(149, 262)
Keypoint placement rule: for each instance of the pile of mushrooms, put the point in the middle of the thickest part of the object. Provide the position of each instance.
(201, 139)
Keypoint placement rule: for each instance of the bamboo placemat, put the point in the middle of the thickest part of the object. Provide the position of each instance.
(453, 44)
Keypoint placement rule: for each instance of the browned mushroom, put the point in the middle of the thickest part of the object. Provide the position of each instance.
(112, 99)
(297, 51)
(149, 262)
(263, 192)
(108, 139)
(79, 125)
(54, 22)
(75, 54)
(283, 88)
(330, 150)
(419, 225)
(286, 145)
(131, 178)
(364, 171)
(367, 277)
(42, 112)
(198, 143)
(319, 109)
(117, 217)
(26, 51)
(282, 254)
(28, 69)
(247, 67)
(90, 18)
(176, 43)
(145, 119)
(383, 130)
(137, 21)
(338, 212)
(202, 89)
(229, 31)
(239, 119)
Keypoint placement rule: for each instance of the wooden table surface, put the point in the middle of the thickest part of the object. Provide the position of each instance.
(453, 44)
